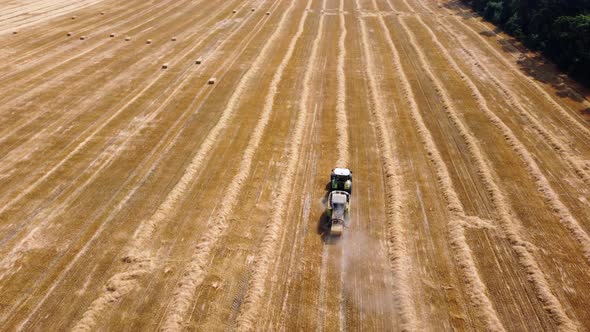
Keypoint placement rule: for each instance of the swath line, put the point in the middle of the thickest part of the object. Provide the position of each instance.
(506, 217)
(197, 267)
(476, 289)
(567, 116)
(251, 306)
(127, 277)
(395, 196)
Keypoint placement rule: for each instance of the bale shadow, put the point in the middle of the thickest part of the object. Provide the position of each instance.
(488, 33)
(323, 224)
(509, 45)
(459, 9)
(323, 230)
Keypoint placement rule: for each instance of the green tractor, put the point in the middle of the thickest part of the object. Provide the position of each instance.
(341, 179)
(339, 200)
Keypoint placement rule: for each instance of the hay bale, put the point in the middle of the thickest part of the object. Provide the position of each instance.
(70, 34)
(82, 37)
(199, 61)
(252, 9)
(73, 17)
(149, 41)
(101, 13)
(127, 38)
(234, 11)
(15, 32)
(165, 66)
(112, 35)
(267, 13)
(211, 81)
(173, 38)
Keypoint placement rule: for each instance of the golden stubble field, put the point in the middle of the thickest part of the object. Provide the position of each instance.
(136, 196)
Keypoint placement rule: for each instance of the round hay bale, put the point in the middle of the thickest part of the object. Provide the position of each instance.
(149, 41)
(165, 66)
(73, 17)
(198, 61)
(267, 13)
(101, 13)
(15, 32)
(112, 35)
(173, 39)
(252, 9)
(70, 34)
(127, 38)
(211, 81)
(82, 37)
(234, 11)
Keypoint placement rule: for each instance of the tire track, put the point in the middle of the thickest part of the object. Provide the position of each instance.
(369, 301)
(250, 307)
(309, 170)
(136, 255)
(395, 196)
(194, 272)
(341, 118)
(509, 225)
(343, 148)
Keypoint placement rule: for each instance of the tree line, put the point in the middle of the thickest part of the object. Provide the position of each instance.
(558, 28)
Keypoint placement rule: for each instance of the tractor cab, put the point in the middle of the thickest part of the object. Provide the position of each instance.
(341, 179)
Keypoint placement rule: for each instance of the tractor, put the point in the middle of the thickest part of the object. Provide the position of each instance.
(340, 189)
(341, 179)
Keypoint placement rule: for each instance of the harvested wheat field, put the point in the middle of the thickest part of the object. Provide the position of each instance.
(164, 166)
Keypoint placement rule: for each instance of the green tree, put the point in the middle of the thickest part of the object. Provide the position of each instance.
(559, 28)
(569, 44)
